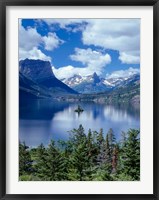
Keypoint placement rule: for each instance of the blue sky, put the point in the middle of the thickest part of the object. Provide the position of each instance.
(109, 47)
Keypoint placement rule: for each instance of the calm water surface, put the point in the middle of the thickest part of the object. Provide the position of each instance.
(43, 120)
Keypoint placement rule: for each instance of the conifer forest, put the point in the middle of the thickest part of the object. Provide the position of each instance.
(85, 156)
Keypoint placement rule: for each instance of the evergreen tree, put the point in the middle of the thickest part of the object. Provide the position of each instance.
(55, 163)
(41, 162)
(100, 138)
(79, 162)
(121, 147)
(104, 161)
(92, 153)
(64, 154)
(115, 159)
(123, 139)
(130, 158)
(25, 162)
(90, 146)
(107, 153)
(82, 155)
(77, 135)
(112, 139)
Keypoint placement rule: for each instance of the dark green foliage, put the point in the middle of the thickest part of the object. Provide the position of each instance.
(78, 136)
(25, 162)
(100, 138)
(41, 162)
(84, 157)
(79, 161)
(104, 161)
(50, 163)
(130, 156)
(111, 140)
(55, 162)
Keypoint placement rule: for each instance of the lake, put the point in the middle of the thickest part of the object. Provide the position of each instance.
(43, 120)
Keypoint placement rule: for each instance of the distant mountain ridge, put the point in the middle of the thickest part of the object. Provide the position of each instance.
(36, 79)
(94, 84)
(87, 84)
(121, 81)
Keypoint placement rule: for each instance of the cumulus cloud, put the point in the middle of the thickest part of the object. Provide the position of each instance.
(90, 57)
(34, 53)
(124, 73)
(28, 38)
(30, 42)
(116, 34)
(129, 59)
(69, 71)
(51, 41)
(94, 61)
(64, 23)
(122, 35)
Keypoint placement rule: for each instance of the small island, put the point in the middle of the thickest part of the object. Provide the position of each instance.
(79, 109)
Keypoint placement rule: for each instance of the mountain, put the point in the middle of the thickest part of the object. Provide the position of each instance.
(31, 90)
(95, 84)
(127, 93)
(87, 84)
(36, 79)
(123, 81)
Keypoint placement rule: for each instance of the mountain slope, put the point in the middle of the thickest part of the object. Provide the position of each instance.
(29, 89)
(41, 74)
(128, 94)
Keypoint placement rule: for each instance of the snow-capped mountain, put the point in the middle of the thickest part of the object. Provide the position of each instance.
(95, 84)
(121, 81)
(88, 84)
(78, 79)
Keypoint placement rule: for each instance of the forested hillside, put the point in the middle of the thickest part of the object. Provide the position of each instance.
(84, 157)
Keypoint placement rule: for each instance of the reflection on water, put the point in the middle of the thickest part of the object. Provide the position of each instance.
(43, 120)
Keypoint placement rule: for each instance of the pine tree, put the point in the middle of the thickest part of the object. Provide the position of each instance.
(55, 162)
(104, 166)
(100, 138)
(64, 160)
(112, 139)
(82, 155)
(77, 135)
(90, 144)
(130, 158)
(79, 161)
(41, 162)
(25, 162)
(123, 139)
(115, 159)
(92, 153)
(107, 153)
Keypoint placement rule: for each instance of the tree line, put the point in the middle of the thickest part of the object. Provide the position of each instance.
(84, 157)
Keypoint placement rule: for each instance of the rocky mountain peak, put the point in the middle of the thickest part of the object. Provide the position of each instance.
(36, 70)
(96, 78)
(40, 72)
